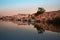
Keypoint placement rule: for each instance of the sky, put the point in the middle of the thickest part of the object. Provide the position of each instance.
(13, 7)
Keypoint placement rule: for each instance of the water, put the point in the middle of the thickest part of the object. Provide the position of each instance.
(15, 30)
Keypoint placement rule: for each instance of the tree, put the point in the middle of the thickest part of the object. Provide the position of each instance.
(40, 11)
(39, 29)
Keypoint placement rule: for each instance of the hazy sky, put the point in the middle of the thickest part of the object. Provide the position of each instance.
(11, 7)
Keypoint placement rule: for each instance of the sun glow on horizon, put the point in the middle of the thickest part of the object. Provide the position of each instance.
(11, 7)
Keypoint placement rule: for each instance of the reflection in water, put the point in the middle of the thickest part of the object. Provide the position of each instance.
(45, 26)
(20, 23)
(17, 30)
(40, 27)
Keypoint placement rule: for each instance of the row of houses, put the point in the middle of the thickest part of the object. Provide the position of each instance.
(42, 17)
(19, 17)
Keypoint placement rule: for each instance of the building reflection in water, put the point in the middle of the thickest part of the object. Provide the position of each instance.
(40, 27)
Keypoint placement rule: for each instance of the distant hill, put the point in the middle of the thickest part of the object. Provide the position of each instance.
(47, 15)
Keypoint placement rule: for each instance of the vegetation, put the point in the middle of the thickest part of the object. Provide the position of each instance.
(54, 21)
(1, 18)
(40, 11)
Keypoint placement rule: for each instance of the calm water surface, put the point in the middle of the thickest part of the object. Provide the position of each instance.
(25, 31)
